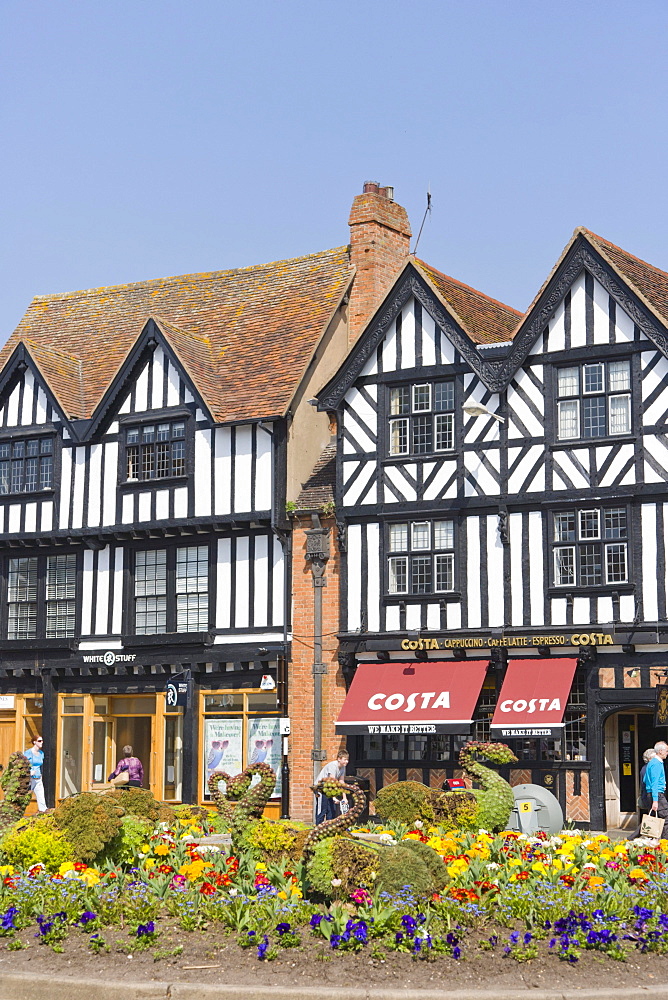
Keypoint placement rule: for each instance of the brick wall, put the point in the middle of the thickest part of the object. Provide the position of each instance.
(380, 236)
(300, 677)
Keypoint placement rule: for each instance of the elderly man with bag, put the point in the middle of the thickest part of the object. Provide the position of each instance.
(655, 785)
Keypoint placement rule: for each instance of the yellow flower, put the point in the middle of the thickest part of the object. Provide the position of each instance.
(67, 866)
(161, 850)
(259, 867)
(513, 862)
(150, 863)
(145, 848)
(638, 873)
(539, 866)
(194, 870)
(458, 866)
(595, 882)
(90, 877)
(6, 870)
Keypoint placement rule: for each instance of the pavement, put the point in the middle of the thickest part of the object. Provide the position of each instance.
(28, 987)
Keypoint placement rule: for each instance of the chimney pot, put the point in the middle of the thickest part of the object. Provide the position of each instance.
(371, 187)
(387, 192)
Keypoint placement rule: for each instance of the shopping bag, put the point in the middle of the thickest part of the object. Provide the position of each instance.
(121, 779)
(652, 826)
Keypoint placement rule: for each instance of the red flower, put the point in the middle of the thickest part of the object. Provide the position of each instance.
(207, 889)
(567, 879)
(464, 895)
(165, 869)
(522, 876)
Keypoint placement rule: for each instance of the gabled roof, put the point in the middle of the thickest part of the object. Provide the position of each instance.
(485, 320)
(244, 336)
(650, 282)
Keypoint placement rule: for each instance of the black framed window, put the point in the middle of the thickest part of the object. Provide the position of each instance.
(155, 451)
(422, 418)
(26, 465)
(590, 547)
(41, 596)
(421, 557)
(594, 400)
(171, 590)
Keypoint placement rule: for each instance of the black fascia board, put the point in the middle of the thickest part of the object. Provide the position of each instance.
(18, 362)
(409, 283)
(137, 357)
(582, 255)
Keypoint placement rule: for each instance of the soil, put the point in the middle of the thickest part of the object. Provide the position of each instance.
(315, 964)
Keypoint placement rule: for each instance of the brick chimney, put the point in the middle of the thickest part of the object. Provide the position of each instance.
(380, 236)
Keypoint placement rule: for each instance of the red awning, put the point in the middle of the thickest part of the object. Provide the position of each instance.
(419, 697)
(533, 698)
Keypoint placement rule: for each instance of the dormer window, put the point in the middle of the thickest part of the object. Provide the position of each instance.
(155, 451)
(26, 465)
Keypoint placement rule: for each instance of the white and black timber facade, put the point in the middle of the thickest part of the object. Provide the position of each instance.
(502, 487)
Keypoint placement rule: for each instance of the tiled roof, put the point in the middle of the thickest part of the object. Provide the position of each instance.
(244, 336)
(319, 488)
(649, 281)
(485, 320)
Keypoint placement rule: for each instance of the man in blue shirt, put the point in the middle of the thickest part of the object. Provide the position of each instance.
(655, 784)
(36, 757)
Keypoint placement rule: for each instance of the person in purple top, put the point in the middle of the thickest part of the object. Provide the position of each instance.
(132, 765)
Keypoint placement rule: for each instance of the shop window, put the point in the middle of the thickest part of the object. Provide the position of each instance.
(590, 547)
(171, 590)
(422, 418)
(594, 400)
(155, 451)
(41, 596)
(26, 466)
(421, 557)
(240, 728)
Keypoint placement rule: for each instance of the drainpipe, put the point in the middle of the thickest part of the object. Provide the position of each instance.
(317, 554)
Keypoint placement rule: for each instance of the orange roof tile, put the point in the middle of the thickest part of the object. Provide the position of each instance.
(244, 336)
(485, 320)
(649, 281)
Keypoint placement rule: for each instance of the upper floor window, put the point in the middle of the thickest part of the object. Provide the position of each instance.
(155, 451)
(590, 547)
(594, 400)
(422, 418)
(41, 596)
(421, 557)
(171, 590)
(26, 465)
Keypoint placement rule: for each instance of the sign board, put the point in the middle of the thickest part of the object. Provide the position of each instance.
(177, 694)
(6, 701)
(531, 640)
(661, 709)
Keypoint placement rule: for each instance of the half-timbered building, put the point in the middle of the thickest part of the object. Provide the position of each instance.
(501, 491)
(151, 436)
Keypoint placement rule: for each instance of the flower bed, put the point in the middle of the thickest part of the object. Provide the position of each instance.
(511, 895)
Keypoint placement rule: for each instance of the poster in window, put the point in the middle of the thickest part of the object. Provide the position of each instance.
(223, 748)
(661, 710)
(264, 745)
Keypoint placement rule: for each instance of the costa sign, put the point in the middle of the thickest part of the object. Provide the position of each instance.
(533, 705)
(398, 701)
(533, 698)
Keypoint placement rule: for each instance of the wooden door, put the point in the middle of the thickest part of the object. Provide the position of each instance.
(7, 741)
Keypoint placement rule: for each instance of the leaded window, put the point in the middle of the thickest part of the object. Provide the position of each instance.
(594, 400)
(590, 547)
(41, 596)
(171, 590)
(26, 465)
(421, 557)
(421, 418)
(155, 451)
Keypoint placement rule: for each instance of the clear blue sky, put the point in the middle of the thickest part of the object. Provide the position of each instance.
(160, 137)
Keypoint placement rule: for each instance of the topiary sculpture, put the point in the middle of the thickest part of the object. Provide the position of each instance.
(330, 827)
(15, 784)
(241, 803)
(494, 800)
(140, 802)
(403, 802)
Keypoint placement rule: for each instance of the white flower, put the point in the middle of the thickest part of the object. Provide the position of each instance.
(418, 824)
(589, 865)
(233, 892)
(336, 882)
(492, 866)
(484, 831)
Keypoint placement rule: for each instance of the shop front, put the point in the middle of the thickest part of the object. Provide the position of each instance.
(183, 719)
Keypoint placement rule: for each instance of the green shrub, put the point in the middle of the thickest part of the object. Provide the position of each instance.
(270, 840)
(432, 861)
(401, 866)
(89, 822)
(403, 802)
(341, 858)
(36, 841)
(125, 846)
(140, 802)
(194, 814)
